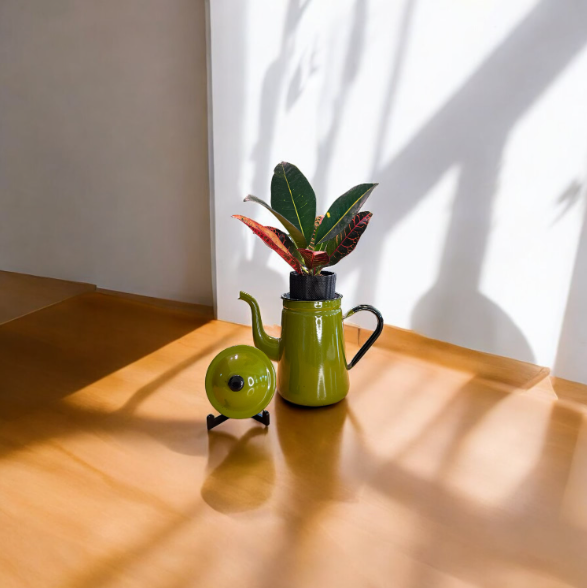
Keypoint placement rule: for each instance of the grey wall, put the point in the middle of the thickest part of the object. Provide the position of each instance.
(103, 144)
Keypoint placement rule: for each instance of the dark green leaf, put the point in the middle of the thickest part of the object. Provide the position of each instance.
(294, 232)
(293, 198)
(345, 242)
(341, 212)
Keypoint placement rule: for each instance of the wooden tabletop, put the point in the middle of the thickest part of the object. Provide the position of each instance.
(427, 476)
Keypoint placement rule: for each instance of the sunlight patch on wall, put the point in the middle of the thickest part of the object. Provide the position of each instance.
(538, 212)
(419, 95)
(352, 111)
(448, 43)
(412, 252)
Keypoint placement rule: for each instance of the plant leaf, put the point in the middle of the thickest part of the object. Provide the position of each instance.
(317, 222)
(271, 240)
(287, 242)
(345, 242)
(293, 197)
(343, 209)
(314, 259)
(294, 232)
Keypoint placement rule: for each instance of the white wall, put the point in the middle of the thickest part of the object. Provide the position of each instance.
(470, 115)
(103, 144)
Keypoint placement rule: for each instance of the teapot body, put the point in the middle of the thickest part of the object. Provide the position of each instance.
(312, 367)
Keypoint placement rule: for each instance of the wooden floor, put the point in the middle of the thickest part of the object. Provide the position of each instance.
(430, 475)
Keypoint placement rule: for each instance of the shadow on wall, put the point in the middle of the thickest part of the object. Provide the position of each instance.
(272, 89)
(274, 86)
(469, 133)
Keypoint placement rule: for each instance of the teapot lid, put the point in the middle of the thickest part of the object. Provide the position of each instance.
(240, 382)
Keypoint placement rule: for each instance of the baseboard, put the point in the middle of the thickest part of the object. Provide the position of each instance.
(199, 309)
(494, 368)
(23, 294)
(568, 390)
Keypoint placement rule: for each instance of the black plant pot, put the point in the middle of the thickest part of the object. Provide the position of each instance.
(320, 287)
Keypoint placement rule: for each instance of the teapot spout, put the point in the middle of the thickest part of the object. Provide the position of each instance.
(267, 344)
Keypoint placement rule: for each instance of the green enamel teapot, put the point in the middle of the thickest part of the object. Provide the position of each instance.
(312, 368)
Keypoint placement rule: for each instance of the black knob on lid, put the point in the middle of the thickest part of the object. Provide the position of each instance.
(236, 383)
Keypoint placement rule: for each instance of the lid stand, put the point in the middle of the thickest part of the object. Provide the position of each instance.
(213, 421)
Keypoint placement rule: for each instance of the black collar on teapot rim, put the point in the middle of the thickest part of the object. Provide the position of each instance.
(287, 296)
(295, 303)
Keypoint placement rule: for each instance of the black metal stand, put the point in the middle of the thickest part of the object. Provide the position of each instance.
(262, 417)
(213, 421)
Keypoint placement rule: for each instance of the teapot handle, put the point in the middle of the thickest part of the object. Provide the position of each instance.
(372, 338)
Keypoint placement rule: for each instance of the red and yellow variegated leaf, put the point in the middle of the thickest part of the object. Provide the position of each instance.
(284, 238)
(317, 222)
(271, 240)
(314, 259)
(345, 242)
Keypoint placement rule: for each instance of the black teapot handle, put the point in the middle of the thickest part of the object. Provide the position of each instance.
(372, 338)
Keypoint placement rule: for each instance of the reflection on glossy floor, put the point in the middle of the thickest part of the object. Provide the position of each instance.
(425, 477)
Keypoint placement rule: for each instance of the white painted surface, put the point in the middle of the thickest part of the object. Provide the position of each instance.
(470, 115)
(103, 144)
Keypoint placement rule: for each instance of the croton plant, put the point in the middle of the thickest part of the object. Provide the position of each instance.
(311, 242)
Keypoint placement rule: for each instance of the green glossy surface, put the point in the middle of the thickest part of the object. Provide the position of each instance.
(258, 373)
(267, 344)
(312, 367)
(312, 364)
